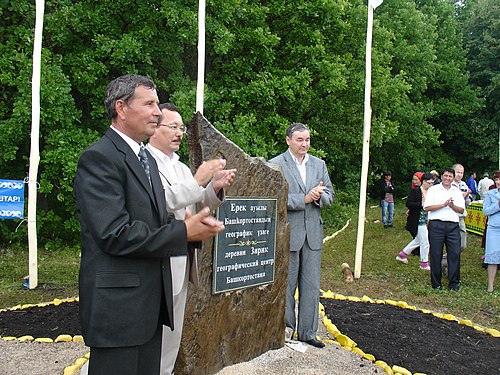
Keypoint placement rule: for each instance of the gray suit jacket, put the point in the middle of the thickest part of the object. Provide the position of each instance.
(127, 238)
(305, 219)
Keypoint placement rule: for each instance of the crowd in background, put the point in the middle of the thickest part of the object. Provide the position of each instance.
(436, 212)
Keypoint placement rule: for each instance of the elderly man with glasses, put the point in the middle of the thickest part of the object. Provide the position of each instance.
(183, 191)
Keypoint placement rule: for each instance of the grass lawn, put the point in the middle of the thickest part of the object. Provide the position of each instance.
(57, 275)
(382, 277)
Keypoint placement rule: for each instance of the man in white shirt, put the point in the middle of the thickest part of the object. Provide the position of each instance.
(183, 191)
(445, 203)
(484, 185)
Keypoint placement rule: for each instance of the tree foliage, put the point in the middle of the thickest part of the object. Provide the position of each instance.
(268, 63)
(481, 30)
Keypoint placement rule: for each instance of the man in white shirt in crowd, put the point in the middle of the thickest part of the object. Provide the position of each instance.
(445, 203)
(484, 185)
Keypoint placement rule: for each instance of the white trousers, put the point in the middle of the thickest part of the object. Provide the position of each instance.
(171, 340)
(421, 240)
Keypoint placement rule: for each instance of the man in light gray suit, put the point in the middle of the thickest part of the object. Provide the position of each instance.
(183, 191)
(309, 189)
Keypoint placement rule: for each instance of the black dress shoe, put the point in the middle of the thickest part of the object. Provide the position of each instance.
(315, 342)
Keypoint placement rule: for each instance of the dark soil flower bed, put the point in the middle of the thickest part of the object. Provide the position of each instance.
(48, 321)
(412, 339)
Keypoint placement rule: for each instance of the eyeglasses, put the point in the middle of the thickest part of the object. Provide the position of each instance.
(175, 128)
(429, 181)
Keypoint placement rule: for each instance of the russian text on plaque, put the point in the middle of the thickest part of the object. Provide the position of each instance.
(244, 253)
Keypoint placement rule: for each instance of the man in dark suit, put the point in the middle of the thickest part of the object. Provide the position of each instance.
(309, 189)
(128, 237)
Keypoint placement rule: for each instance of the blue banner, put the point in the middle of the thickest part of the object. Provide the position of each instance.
(11, 199)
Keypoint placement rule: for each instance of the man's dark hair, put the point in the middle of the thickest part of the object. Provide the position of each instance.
(168, 107)
(451, 170)
(427, 176)
(124, 88)
(296, 127)
(386, 173)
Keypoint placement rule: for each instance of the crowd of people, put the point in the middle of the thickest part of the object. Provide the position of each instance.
(436, 212)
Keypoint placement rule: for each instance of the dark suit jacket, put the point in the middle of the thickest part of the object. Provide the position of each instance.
(383, 189)
(127, 237)
(414, 203)
(305, 219)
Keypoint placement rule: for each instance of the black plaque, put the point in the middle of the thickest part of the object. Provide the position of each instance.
(244, 254)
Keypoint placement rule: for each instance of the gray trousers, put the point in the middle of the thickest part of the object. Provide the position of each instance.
(304, 273)
(463, 234)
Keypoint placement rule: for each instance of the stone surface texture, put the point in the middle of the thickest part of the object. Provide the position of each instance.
(233, 327)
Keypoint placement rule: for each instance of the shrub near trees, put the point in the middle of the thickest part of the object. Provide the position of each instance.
(268, 64)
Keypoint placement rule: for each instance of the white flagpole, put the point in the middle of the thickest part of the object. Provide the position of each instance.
(366, 141)
(201, 57)
(34, 150)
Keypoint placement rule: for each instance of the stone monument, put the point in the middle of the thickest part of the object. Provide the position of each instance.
(224, 328)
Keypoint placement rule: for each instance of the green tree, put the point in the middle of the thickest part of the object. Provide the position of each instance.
(481, 30)
(57, 116)
(427, 51)
(267, 64)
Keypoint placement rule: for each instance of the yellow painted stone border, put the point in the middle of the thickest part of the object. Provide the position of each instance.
(344, 341)
(75, 368)
(348, 344)
(69, 370)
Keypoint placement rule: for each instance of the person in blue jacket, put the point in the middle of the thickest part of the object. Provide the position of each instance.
(491, 208)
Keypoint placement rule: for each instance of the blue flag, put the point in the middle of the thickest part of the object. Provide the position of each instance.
(11, 199)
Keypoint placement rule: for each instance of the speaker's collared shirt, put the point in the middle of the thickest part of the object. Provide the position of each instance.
(301, 166)
(438, 194)
(168, 162)
(136, 147)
